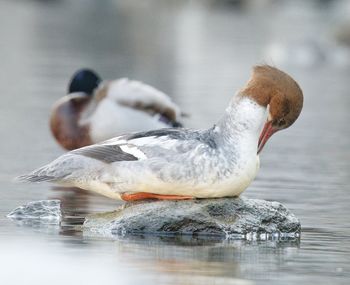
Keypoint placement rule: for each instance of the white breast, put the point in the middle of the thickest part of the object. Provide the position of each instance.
(238, 182)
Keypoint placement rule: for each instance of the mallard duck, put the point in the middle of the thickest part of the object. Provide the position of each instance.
(96, 110)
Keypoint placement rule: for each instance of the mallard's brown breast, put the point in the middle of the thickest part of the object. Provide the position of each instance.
(64, 122)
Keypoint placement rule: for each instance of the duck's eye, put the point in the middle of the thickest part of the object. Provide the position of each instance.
(281, 122)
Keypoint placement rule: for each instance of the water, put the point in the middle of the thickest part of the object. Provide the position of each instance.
(199, 52)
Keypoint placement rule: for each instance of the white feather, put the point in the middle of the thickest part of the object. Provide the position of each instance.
(111, 119)
(133, 150)
(113, 114)
(132, 91)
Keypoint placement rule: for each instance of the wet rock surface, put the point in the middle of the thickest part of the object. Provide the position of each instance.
(44, 211)
(235, 218)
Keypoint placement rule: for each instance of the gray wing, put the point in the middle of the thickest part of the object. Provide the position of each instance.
(151, 144)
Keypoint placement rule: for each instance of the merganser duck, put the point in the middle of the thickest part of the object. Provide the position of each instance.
(183, 163)
(94, 110)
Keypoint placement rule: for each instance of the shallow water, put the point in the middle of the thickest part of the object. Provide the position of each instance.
(200, 53)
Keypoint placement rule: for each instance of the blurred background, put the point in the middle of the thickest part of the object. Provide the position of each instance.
(200, 53)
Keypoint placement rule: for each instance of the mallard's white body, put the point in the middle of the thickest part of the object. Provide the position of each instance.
(127, 106)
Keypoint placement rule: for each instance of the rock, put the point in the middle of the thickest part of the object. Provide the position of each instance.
(233, 218)
(44, 211)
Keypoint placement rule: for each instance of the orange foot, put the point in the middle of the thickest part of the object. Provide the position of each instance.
(144, 195)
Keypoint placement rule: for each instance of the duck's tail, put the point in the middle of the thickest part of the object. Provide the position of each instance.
(73, 170)
(39, 175)
(70, 169)
(35, 176)
(61, 170)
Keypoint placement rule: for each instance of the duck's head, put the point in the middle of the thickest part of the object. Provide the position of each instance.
(84, 80)
(279, 93)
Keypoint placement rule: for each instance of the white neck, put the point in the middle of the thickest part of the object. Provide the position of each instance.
(243, 120)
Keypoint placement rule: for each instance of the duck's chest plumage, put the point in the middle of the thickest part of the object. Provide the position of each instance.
(237, 179)
(223, 174)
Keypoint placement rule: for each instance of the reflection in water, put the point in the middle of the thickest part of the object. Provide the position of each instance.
(204, 257)
(76, 204)
(200, 52)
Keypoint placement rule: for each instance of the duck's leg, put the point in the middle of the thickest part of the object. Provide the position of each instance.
(144, 195)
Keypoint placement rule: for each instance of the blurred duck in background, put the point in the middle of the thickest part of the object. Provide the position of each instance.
(96, 110)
